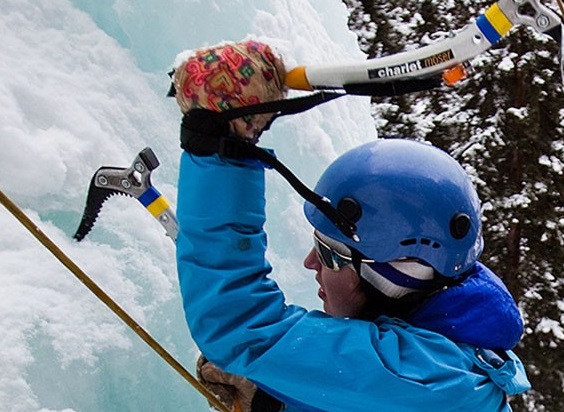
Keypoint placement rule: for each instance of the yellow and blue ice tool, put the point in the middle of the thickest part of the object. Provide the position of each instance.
(134, 181)
(385, 75)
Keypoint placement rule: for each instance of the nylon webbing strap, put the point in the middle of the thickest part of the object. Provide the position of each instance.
(281, 107)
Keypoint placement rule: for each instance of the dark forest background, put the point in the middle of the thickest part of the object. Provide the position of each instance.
(505, 124)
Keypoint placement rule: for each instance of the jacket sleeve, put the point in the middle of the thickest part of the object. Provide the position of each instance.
(238, 317)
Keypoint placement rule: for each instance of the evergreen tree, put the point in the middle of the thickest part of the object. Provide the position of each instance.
(505, 124)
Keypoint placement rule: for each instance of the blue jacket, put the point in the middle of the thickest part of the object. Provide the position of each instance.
(309, 360)
(479, 311)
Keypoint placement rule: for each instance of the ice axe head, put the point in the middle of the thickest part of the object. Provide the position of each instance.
(134, 181)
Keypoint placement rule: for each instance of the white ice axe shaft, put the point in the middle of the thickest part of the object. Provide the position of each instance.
(436, 58)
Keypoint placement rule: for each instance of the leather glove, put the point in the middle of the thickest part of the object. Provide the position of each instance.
(237, 393)
(228, 76)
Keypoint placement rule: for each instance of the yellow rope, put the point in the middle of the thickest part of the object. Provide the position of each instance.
(237, 405)
(561, 5)
(107, 300)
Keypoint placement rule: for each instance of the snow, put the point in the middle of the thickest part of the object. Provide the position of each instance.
(507, 63)
(552, 162)
(551, 326)
(82, 85)
(519, 112)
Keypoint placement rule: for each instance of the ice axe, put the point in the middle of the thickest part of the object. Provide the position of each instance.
(447, 59)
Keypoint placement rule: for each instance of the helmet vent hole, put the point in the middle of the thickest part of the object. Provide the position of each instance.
(423, 241)
(408, 242)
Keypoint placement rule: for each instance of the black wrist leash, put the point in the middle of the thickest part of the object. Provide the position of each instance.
(205, 132)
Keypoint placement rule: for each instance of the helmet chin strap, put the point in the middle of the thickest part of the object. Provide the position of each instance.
(356, 260)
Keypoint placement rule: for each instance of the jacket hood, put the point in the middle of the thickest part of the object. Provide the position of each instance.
(480, 311)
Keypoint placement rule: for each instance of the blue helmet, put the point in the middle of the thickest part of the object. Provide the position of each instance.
(408, 199)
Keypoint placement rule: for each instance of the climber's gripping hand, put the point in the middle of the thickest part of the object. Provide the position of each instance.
(238, 393)
(228, 76)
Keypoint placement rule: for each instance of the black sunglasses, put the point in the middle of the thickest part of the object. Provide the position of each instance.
(329, 257)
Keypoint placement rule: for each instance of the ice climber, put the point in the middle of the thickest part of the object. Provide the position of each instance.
(411, 322)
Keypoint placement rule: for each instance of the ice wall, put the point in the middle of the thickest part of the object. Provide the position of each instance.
(82, 85)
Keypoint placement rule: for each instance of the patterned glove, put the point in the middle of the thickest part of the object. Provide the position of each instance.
(237, 393)
(229, 76)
